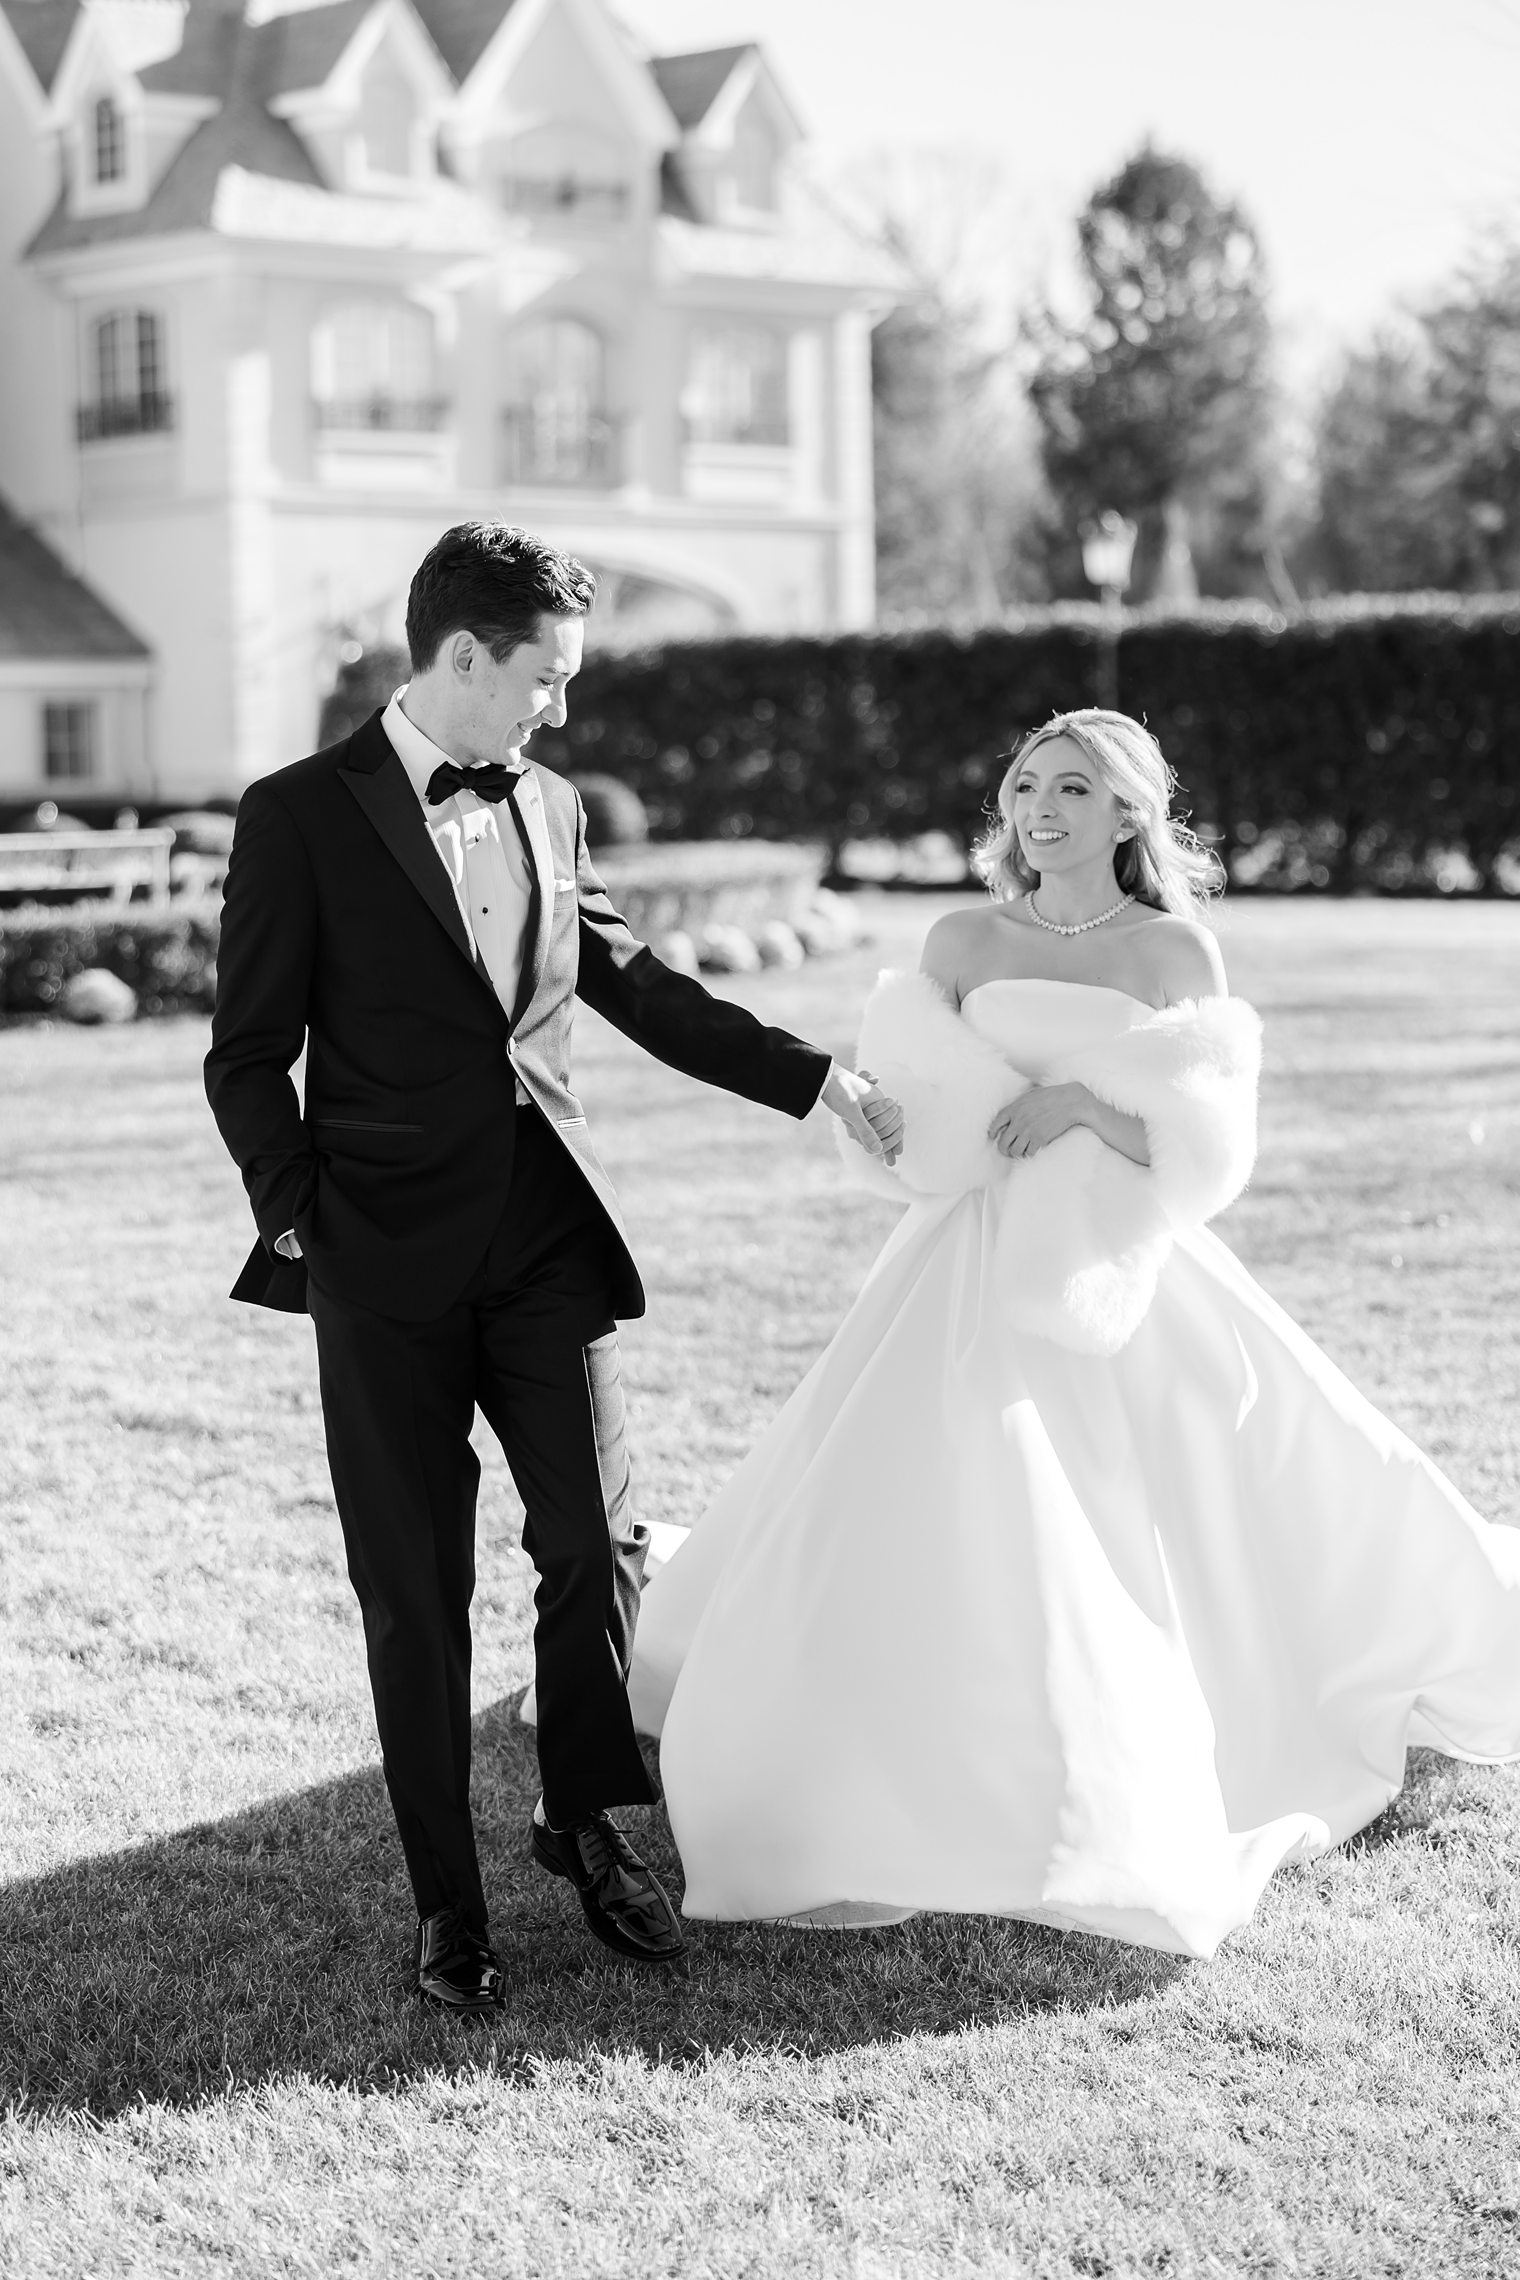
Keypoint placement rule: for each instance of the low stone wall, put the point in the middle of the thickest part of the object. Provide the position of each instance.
(687, 886)
(716, 905)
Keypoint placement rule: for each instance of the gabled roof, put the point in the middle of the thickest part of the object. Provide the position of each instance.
(691, 84)
(201, 63)
(462, 30)
(240, 133)
(42, 28)
(302, 49)
(250, 71)
(45, 611)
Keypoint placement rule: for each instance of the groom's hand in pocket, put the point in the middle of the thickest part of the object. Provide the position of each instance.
(870, 1116)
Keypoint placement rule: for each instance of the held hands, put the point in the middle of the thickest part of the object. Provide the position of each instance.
(869, 1115)
(1039, 1116)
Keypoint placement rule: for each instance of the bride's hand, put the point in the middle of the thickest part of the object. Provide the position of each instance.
(1037, 1117)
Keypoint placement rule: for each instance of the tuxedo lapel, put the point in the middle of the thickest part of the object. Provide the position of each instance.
(379, 783)
(527, 801)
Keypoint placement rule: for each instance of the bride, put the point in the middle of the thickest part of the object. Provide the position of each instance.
(1073, 1582)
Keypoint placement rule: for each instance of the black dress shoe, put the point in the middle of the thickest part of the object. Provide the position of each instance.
(624, 1902)
(456, 1965)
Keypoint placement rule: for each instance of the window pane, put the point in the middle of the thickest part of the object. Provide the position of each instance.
(109, 142)
(569, 169)
(68, 741)
(373, 348)
(754, 162)
(108, 373)
(558, 365)
(736, 385)
(150, 361)
(387, 115)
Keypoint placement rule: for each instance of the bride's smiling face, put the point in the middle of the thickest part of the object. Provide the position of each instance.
(1064, 813)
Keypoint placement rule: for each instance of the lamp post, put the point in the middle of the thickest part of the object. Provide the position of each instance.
(1108, 550)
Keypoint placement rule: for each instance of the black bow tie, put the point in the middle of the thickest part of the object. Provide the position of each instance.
(492, 781)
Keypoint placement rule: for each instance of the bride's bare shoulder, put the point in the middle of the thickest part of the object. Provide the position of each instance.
(971, 926)
(956, 944)
(1183, 956)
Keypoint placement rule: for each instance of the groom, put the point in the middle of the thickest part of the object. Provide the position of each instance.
(416, 908)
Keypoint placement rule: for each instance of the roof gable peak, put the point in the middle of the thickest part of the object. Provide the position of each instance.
(321, 53)
(606, 48)
(708, 88)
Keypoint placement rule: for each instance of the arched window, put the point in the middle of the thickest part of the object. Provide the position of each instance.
(374, 365)
(736, 385)
(109, 155)
(127, 373)
(556, 417)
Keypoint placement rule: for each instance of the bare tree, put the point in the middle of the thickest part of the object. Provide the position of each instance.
(959, 498)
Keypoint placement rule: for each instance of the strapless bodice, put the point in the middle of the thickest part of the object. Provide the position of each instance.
(1037, 1022)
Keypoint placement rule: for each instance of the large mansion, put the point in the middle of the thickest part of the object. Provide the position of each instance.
(286, 290)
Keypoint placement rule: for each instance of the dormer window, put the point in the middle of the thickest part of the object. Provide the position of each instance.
(754, 164)
(567, 172)
(110, 141)
(106, 150)
(389, 117)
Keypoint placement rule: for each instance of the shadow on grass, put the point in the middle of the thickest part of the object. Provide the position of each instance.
(276, 1945)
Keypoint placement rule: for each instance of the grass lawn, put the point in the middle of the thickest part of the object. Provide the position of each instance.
(211, 2063)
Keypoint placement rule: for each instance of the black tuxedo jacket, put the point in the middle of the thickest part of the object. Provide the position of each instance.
(340, 932)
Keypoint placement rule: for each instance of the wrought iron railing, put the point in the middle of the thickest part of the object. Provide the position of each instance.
(566, 196)
(150, 413)
(772, 429)
(380, 413)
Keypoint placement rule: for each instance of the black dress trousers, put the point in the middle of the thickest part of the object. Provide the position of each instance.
(533, 1343)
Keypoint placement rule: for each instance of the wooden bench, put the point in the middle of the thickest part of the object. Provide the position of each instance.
(110, 863)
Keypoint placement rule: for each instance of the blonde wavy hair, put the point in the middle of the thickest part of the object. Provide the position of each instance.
(1164, 864)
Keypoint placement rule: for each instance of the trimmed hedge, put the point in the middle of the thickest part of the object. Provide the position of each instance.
(856, 736)
(1359, 743)
(167, 956)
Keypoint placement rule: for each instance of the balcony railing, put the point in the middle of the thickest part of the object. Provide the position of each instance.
(769, 429)
(578, 451)
(148, 414)
(564, 197)
(382, 414)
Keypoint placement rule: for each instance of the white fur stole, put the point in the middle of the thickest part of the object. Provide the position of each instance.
(1082, 1232)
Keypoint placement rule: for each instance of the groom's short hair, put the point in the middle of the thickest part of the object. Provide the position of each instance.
(495, 581)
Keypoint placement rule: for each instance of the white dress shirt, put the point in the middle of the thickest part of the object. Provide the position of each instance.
(487, 866)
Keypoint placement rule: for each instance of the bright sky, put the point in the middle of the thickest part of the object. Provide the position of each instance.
(1369, 140)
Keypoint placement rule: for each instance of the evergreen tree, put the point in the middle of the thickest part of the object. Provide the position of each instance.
(1156, 398)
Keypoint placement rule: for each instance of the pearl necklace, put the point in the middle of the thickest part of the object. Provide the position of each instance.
(1083, 925)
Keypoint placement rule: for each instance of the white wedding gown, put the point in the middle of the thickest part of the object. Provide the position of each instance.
(984, 1624)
